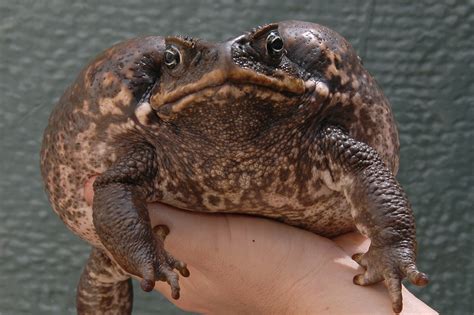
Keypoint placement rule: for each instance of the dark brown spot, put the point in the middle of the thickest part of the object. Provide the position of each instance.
(214, 200)
(284, 174)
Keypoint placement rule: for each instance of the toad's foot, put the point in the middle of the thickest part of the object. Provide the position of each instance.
(121, 220)
(162, 269)
(391, 264)
(166, 263)
(380, 210)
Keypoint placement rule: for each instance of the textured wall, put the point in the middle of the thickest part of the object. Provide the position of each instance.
(421, 52)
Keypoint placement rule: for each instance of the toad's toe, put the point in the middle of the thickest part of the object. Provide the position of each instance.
(391, 264)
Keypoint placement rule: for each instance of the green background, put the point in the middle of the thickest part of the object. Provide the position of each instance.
(421, 53)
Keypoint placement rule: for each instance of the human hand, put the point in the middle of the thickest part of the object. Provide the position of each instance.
(242, 264)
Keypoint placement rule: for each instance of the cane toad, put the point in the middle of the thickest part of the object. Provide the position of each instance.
(282, 122)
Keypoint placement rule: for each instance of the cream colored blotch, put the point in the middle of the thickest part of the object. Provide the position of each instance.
(142, 112)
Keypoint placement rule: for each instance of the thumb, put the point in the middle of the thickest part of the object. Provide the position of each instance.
(89, 190)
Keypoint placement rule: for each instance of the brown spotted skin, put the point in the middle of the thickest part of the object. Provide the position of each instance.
(83, 135)
(298, 132)
(104, 288)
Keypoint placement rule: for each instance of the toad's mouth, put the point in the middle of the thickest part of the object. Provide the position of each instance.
(231, 85)
(226, 93)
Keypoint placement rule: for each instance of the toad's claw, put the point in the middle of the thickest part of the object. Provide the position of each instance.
(171, 277)
(164, 272)
(167, 263)
(390, 264)
(161, 231)
(148, 282)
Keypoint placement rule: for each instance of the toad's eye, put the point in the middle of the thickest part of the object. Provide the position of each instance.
(172, 57)
(274, 45)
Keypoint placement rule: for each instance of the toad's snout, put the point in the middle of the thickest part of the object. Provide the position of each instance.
(228, 63)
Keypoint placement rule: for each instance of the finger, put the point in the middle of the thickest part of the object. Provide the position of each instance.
(161, 231)
(416, 277)
(394, 286)
(367, 278)
(89, 190)
(147, 284)
(182, 268)
(173, 280)
(359, 258)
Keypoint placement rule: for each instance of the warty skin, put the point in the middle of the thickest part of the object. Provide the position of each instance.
(282, 122)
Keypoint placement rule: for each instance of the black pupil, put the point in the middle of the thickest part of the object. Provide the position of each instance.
(274, 45)
(277, 44)
(171, 57)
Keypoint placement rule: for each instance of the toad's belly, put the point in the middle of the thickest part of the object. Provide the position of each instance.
(328, 214)
(321, 211)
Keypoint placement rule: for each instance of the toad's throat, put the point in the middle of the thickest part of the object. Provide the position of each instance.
(235, 84)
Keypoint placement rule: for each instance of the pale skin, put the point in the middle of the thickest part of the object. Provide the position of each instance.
(250, 265)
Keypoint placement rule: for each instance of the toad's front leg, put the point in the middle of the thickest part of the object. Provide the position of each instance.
(122, 222)
(380, 210)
